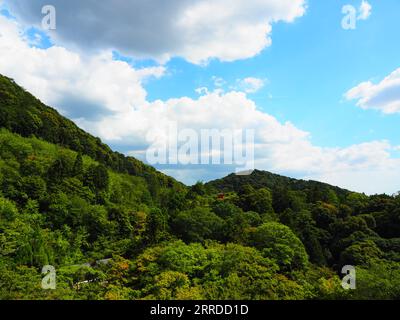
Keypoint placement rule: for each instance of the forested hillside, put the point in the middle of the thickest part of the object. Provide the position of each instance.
(114, 228)
(22, 113)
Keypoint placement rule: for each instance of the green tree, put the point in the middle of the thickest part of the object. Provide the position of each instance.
(197, 225)
(360, 253)
(259, 201)
(34, 186)
(157, 226)
(97, 177)
(278, 242)
(77, 170)
(8, 210)
(380, 280)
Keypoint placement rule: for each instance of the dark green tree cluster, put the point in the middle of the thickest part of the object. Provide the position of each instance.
(114, 228)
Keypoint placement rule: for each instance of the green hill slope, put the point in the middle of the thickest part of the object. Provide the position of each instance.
(111, 227)
(263, 179)
(22, 113)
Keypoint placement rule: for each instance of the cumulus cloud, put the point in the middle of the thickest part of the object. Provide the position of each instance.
(383, 96)
(197, 30)
(365, 10)
(79, 86)
(250, 84)
(107, 98)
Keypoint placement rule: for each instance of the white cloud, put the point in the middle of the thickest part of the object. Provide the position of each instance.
(383, 96)
(108, 99)
(218, 81)
(250, 84)
(202, 90)
(220, 85)
(93, 85)
(197, 30)
(365, 10)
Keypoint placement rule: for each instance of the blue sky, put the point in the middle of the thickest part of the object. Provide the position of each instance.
(311, 64)
(327, 106)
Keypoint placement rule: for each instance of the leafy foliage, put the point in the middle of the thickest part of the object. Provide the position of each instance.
(115, 228)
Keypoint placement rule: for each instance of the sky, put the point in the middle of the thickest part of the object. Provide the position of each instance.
(323, 100)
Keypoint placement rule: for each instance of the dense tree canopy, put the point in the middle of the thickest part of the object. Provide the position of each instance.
(114, 228)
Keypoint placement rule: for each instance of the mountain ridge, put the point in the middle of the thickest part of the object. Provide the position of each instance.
(26, 115)
(67, 199)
